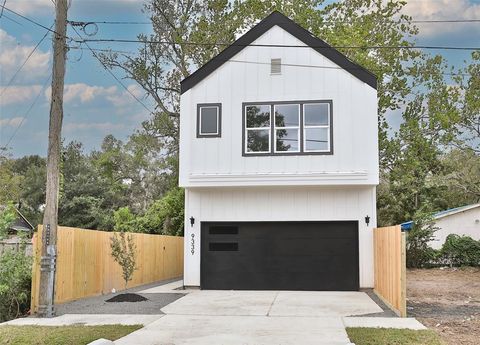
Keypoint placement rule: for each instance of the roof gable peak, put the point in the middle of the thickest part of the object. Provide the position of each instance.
(278, 19)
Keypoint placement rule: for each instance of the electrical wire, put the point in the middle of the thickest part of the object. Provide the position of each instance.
(112, 74)
(3, 7)
(24, 63)
(94, 40)
(421, 21)
(11, 19)
(25, 116)
(36, 23)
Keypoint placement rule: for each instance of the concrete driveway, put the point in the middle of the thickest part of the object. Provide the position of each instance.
(255, 317)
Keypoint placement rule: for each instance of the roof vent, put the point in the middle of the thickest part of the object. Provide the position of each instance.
(276, 66)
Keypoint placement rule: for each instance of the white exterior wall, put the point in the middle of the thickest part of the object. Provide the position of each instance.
(463, 223)
(218, 161)
(280, 204)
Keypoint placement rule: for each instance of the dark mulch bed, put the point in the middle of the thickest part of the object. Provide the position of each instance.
(127, 297)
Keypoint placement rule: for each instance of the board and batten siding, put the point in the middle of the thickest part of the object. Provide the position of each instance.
(246, 77)
(279, 204)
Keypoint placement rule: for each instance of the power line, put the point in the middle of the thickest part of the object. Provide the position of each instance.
(24, 62)
(103, 50)
(3, 7)
(112, 74)
(447, 21)
(25, 116)
(11, 19)
(245, 45)
(98, 40)
(36, 23)
(326, 67)
(343, 21)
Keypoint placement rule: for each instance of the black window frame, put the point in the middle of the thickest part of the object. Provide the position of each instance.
(219, 120)
(302, 151)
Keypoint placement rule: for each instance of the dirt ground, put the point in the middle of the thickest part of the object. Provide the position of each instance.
(447, 301)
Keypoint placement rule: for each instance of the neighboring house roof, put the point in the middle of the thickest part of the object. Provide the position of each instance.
(408, 225)
(21, 223)
(276, 18)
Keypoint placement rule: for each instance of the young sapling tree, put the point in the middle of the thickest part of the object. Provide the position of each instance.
(124, 252)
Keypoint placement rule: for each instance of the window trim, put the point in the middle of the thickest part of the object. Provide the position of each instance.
(298, 128)
(301, 130)
(245, 130)
(328, 127)
(218, 134)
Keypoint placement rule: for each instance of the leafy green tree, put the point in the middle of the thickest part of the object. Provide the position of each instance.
(10, 180)
(125, 220)
(87, 198)
(32, 194)
(468, 79)
(166, 216)
(7, 216)
(419, 253)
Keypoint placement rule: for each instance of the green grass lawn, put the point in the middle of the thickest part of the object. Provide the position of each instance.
(390, 336)
(65, 335)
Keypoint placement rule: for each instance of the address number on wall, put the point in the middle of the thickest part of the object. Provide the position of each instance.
(192, 244)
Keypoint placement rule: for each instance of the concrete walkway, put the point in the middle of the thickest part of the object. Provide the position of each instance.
(255, 317)
(241, 318)
(86, 319)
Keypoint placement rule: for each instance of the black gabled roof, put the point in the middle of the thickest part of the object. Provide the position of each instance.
(276, 18)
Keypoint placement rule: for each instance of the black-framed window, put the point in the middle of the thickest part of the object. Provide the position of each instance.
(209, 120)
(287, 128)
(257, 129)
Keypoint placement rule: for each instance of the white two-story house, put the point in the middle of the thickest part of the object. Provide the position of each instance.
(279, 161)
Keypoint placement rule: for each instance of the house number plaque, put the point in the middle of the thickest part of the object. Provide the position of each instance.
(192, 244)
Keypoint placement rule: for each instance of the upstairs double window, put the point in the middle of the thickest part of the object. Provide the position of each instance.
(287, 128)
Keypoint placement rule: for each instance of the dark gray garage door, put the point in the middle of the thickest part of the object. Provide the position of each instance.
(280, 256)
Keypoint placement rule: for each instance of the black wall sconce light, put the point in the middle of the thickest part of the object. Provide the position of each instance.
(192, 221)
(367, 220)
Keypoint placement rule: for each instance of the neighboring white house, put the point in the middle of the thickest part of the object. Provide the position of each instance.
(463, 221)
(279, 161)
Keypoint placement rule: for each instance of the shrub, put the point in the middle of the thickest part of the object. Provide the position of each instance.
(15, 284)
(461, 251)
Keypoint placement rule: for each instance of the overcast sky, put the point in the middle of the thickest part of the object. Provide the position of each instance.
(95, 104)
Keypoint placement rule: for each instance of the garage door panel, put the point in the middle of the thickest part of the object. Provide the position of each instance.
(280, 256)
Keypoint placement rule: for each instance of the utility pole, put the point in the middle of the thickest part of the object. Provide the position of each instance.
(50, 216)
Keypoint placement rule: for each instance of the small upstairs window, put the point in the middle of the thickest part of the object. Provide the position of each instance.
(209, 120)
(276, 66)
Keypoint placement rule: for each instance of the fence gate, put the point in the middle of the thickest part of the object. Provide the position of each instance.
(390, 268)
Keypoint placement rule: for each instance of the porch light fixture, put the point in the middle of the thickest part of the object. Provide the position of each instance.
(192, 221)
(367, 220)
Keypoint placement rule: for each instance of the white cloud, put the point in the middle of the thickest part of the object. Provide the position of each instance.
(442, 9)
(106, 127)
(125, 97)
(27, 7)
(18, 94)
(13, 122)
(82, 93)
(13, 55)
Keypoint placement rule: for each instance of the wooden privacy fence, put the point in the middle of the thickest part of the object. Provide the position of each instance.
(390, 267)
(86, 268)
